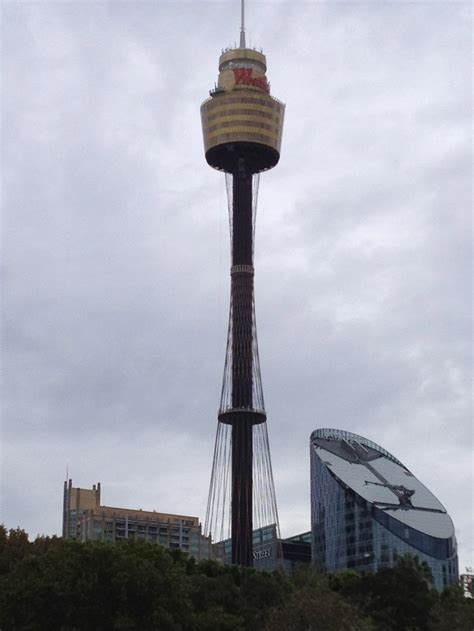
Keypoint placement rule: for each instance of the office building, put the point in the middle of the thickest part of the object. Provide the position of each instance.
(368, 509)
(269, 551)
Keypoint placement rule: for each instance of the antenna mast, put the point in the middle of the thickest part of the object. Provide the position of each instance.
(242, 24)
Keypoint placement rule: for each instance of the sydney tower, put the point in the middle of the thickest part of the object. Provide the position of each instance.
(242, 128)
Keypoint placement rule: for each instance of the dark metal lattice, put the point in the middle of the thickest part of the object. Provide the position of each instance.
(265, 512)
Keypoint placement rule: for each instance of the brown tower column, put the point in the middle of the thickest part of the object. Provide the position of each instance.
(242, 361)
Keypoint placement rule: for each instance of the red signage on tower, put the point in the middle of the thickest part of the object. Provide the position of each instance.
(244, 76)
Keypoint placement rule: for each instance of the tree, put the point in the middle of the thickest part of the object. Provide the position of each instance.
(396, 598)
(73, 585)
(260, 592)
(14, 545)
(55, 583)
(452, 612)
(422, 568)
(316, 607)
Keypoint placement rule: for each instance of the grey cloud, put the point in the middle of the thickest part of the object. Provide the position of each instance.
(116, 248)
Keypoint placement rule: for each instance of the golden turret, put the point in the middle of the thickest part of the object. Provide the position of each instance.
(241, 119)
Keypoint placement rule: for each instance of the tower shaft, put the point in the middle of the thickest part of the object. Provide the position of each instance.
(242, 291)
(242, 490)
(242, 363)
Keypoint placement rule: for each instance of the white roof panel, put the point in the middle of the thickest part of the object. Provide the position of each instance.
(435, 524)
(370, 485)
(355, 476)
(398, 475)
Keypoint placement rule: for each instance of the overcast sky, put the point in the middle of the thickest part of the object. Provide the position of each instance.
(116, 248)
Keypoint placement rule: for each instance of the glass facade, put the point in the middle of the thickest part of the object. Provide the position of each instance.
(270, 552)
(349, 531)
(266, 549)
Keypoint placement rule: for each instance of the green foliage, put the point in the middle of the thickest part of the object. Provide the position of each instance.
(70, 585)
(14, 545)
(453, 612)
(394, 598)
(316, 607)
(62, 585)
(408, 561)
(398, 598)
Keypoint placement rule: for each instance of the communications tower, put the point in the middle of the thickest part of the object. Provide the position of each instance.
(242, 128)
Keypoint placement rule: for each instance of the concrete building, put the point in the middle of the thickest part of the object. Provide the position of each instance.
(85, 519)
(368, 509)
(75, 502)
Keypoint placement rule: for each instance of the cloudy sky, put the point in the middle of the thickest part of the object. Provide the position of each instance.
(116, 248)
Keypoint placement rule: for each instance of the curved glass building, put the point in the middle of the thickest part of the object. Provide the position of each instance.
(367, 509)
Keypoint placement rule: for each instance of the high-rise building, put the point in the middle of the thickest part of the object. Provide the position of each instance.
(87, 520)
(242, 127)
(368, 509)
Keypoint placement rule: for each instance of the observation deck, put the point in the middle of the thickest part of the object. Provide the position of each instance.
(241, 121)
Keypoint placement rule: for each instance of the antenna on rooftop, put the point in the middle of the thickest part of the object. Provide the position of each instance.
(242, 23)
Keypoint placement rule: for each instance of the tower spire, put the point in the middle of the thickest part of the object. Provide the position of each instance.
(242, 24)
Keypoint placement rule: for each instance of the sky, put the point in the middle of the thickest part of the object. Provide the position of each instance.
(116, 248)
